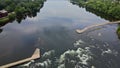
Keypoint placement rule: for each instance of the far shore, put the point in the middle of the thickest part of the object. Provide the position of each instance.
(7, 18)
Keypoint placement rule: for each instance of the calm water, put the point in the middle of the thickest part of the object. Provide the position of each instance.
(53, 31)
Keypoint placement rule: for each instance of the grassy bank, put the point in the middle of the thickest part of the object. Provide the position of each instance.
(3, 20)
(11, 16)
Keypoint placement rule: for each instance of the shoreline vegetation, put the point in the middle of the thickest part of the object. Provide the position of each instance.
(107, 9)
(19, 9)
(110, 8)
(9, 17)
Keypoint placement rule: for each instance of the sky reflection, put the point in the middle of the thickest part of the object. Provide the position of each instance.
(52, 29)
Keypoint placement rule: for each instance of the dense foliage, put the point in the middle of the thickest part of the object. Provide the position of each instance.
(20, 9)
(118, 31)
(20, 6)
(109, 7)
(11, 5)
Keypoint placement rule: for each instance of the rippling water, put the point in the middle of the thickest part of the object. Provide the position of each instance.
(53, 31)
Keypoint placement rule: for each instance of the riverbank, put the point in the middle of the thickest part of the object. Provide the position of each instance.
(52, 30)
(11, 16)
(107, 7)
(5, 19)
(20, 9)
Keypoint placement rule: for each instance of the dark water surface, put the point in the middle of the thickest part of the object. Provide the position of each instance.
(53, 31)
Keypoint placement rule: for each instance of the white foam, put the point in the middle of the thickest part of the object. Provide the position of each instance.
(109, 51)
(61, 66)
(78, 43)
(48, 54)
(84, 56)
(46, 63)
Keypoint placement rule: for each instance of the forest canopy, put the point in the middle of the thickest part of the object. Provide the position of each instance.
(20, 9)
(109, 7)
(20, 6)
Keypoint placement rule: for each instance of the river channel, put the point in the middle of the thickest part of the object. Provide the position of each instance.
(53, 31)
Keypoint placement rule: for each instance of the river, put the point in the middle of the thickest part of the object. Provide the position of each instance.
(53, 31)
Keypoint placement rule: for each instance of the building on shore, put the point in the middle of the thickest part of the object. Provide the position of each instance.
(3, 13)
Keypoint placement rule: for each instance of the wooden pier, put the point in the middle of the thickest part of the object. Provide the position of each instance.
(35, 55)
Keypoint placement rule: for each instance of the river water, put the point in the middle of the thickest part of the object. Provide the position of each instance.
(53, 31)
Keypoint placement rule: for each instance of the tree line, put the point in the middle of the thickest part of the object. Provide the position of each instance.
(21, 6)
(20, 9)
(109, 7)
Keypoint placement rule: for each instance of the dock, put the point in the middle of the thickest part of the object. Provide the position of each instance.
(92, 26)
(35, 55)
